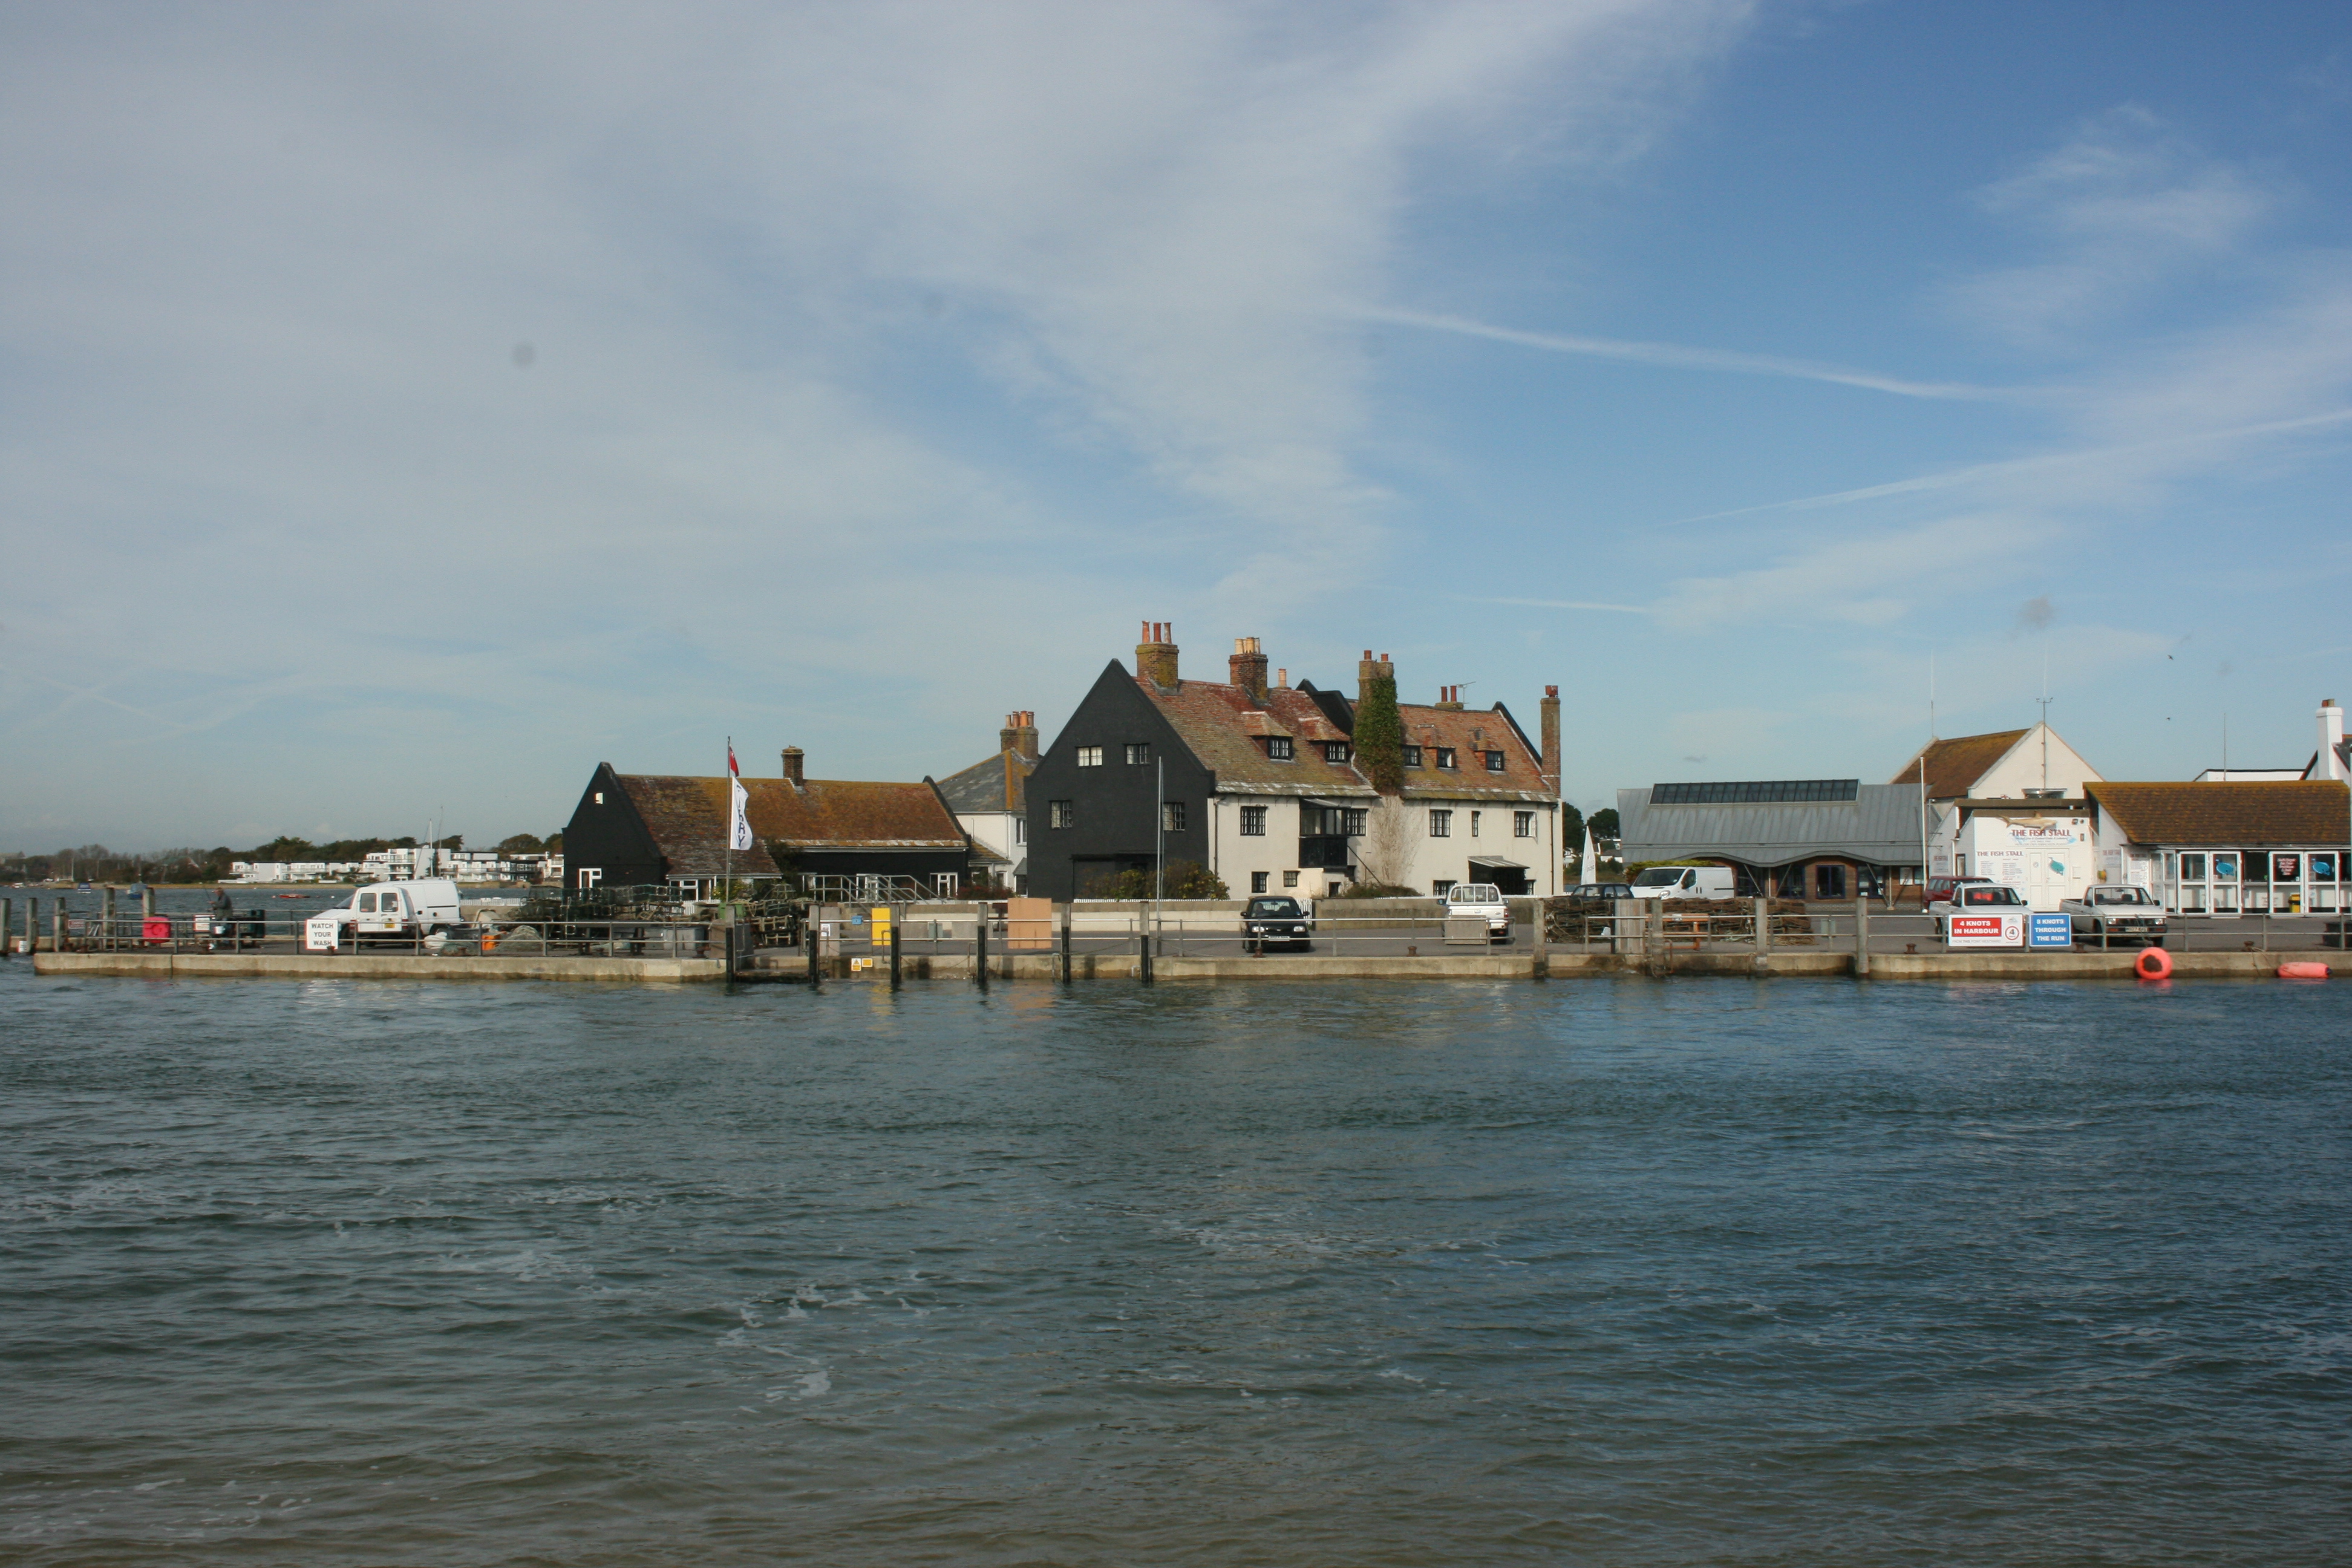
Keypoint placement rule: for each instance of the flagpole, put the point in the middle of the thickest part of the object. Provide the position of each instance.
(727, 889)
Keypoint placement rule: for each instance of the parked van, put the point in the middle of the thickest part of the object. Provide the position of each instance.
(406, 910)
(1687, 882)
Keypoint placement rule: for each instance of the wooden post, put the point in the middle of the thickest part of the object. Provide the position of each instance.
(106, 919)
(1862, 937)
(809, 928)
(894, 924)
(979, 945)
(58, 926)
(8, 923)
(146, 902)
(1142, 952)
(1065, 944)
(1764, 935)
(1543, 953)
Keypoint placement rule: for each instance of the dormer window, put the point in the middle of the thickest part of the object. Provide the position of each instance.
(1445, 756)
(1412, 756)
(1337, 750)
(1280, 748)
(1494, 761)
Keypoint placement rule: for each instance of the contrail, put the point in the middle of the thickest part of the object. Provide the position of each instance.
(1681, 358)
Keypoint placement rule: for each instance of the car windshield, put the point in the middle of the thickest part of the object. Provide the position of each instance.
(2121, 895)
(1475, 893)
(1982, 895)
(1659, 877)
(1266, 907)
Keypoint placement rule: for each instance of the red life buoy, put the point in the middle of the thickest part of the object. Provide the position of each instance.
(2153, 964)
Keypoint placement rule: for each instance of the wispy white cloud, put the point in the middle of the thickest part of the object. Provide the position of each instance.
(1676, 356)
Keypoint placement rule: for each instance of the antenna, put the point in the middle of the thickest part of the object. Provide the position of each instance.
(2045, 719)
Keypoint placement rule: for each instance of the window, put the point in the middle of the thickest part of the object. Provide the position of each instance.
(1440, 888)
(2192, 868)
(1474, 823)
(1139, 753)
(1337, 750)
(943, 884)
(1290, 879)
(2225, 867)
(1089, 756)
(1412, 756)
(1020, 830)
(1523, 825)
(1440, 825)
(600, 797)
(1254, 822)
(1444, 756)
(1258, 880)
(1351, 822)
(1172, 816)
(1829, 882)
(1058, 813)
(1494, 761)
(1279, 748)
(589, 876)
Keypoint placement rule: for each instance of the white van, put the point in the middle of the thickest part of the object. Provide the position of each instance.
(386, 909)
(1687, 882)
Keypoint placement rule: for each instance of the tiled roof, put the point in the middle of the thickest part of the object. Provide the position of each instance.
(1000, 783)
(1225, 731)
(2240, 812)
(1469, 732)
(1955, 765)
(688, 817)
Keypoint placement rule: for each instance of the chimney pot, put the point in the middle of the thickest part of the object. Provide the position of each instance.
(792, 763)
(1155, 657)
(1248, 668)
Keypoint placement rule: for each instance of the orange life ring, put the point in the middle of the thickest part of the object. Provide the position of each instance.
(2303, 972)
(2153, 964)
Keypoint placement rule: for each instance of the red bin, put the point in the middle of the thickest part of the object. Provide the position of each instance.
(156, 929)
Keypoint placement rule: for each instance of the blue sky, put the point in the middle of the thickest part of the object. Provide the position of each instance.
(404, 408)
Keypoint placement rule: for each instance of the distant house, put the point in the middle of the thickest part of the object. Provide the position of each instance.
(990, 801)
(2229, 848)
(1789, 838)
(1257, 781)
(645, 829)
(2007, 805)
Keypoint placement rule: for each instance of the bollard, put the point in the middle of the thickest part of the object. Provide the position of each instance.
(57, 927)
(106, 920)
(1764, 936)
(32, 925)
(1065, 944)
(894, 955)
(1143, 955)
(980, 947)
(808, 941)
(7, 925)
(1862, 938)
(146, 900)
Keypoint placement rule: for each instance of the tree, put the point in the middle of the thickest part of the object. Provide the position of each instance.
(522, 844)
(555, 842)
(1183, 880)
(1603, 822)
(1379, 732)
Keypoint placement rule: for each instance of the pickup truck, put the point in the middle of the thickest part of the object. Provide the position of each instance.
(1480, 900)
(1980, 914)
(2103, 914)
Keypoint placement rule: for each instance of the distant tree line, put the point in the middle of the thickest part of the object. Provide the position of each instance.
(96, 863)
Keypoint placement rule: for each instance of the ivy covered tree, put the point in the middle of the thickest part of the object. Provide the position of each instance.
(1380, 733)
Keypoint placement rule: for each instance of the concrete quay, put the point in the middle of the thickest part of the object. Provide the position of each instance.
(376, 966)
(1509, 964)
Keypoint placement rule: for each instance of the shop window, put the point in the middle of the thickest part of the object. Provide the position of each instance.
(2286, 868)
(2323, 868)
(2225, 866)
(2192, 868)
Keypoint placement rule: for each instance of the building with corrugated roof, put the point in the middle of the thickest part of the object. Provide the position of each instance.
(1789, 838)
(1257, 781)
(648, 829)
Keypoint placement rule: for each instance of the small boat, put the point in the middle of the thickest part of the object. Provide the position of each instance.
(289, 895)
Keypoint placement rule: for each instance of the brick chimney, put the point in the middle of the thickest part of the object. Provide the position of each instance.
(792, 766)
(1024, 732)
(1248, 666)
(1368, 669)
(1155, 655)
(1552, 738)
(1449, 699)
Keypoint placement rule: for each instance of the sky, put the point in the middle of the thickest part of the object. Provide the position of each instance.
(405, 407)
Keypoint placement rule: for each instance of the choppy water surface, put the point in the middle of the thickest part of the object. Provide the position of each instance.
(1605, 1271)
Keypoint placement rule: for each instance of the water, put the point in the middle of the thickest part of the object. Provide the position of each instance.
(1602, 1271)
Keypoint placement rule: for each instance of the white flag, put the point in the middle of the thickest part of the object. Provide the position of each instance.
(739, 834)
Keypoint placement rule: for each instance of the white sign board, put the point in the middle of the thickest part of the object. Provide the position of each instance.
(2005, 928)
(320, 934)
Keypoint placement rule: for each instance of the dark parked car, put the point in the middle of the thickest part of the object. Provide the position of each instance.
(1269, 920)
(1607, 892)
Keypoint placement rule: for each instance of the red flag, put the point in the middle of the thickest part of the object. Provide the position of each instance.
(731, 768)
